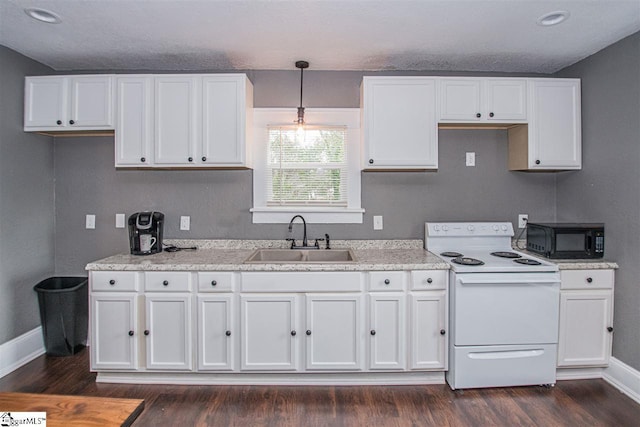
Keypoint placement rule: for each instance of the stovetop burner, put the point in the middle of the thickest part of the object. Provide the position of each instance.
(527, 261)
(451, 254)
(467, 261)
(506, 254)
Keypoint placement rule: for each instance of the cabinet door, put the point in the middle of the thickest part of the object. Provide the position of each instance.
(176, 110)
(168, 332)
(506, 100)
(268, 332)
(333, 335)
(428, 330)
(134, 122)
(91, 102)
(400, 129)
(216, 333)
(387, 332)
(45, 102)
(584, 338)
(223, 120)
(114, 336)
(555, 137)
(460, 100)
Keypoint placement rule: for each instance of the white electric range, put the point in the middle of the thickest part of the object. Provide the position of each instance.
(504, 307)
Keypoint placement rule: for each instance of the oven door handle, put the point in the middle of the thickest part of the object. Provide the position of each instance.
(506, 282)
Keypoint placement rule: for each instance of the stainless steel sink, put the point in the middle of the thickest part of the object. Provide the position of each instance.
(292, 256)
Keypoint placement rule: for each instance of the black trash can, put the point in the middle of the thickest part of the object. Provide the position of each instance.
(64, 314)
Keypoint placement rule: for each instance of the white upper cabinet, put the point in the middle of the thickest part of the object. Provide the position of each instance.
(227, 103)
(399, 120)
(63, 103)
(555, 125)
(134, 121)
(483, 100)
(176, 119)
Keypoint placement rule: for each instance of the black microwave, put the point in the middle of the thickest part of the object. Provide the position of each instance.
(566, 240)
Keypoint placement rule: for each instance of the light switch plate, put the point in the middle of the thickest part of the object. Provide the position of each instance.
(471, 159)
(119, 220)
(90, 222)
(377, 222)
(185, 223)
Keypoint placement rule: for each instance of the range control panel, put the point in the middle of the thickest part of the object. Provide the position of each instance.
(452, 229)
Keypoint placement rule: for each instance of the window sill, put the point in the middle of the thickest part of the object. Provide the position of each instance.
(312, 215)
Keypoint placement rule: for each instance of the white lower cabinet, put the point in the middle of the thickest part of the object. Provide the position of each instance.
(168, 332)
(216, 333)
(586, 318)
(333, 332)
(268, 332)
(114, 335)
(387, 331)
(428, 330)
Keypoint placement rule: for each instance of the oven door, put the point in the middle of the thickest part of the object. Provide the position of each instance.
(505, 308)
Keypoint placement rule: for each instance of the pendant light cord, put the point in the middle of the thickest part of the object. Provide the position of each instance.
(301, 80)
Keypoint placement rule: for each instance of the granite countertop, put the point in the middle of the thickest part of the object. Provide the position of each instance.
(229, 255)
(573, 264)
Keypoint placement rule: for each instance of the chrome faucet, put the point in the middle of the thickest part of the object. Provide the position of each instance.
(304, 237)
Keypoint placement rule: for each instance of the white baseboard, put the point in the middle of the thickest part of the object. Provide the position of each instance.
(624, 378)
(20, 351)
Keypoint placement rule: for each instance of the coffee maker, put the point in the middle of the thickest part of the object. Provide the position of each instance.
(145, 233)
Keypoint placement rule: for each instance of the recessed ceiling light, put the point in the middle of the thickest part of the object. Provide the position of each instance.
(43, 15)
(553, 18)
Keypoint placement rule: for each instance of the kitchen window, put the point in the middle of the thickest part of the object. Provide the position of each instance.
(315, 173)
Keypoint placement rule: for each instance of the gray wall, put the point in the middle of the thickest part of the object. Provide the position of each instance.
(26, 202)
(219, 201)
(607, 189)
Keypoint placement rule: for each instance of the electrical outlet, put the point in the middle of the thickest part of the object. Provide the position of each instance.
(377, 222)
(119, 220)
(185, 223)
(90, 222)
(522, 220)
(471, 159)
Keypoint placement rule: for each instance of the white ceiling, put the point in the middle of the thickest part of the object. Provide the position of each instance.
(472, 35)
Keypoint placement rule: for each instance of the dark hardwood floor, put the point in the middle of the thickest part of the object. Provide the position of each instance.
(570, 403)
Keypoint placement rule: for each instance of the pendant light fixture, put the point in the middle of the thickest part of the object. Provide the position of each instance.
(300, 122)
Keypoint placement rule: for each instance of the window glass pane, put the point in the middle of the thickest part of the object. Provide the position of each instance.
(307, 167)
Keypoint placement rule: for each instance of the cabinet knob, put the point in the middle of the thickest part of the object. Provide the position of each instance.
(293, 333)
(610, 329)
(370, 161)
(373, 332)
(442, 332)
(214, 283)
(589, 279)
(112, 282)
(308, 332)
(143, 159)
(491, 114)
(387, 281)
(130, 333)
(429, 280)
(166, 283)
(190, 159)
(146, 332)
(228, 333)
(478, 115)
(59, 122)
(71, 122)
(537, 162)
(204, 159)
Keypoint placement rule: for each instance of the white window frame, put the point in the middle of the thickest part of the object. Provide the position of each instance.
(265, 117)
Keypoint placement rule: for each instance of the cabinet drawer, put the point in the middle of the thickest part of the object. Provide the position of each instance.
(167, 281)
(116, 281)
(332, 281)
(386, 281)
(586, 279)
(216, 282)
(428, 280)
